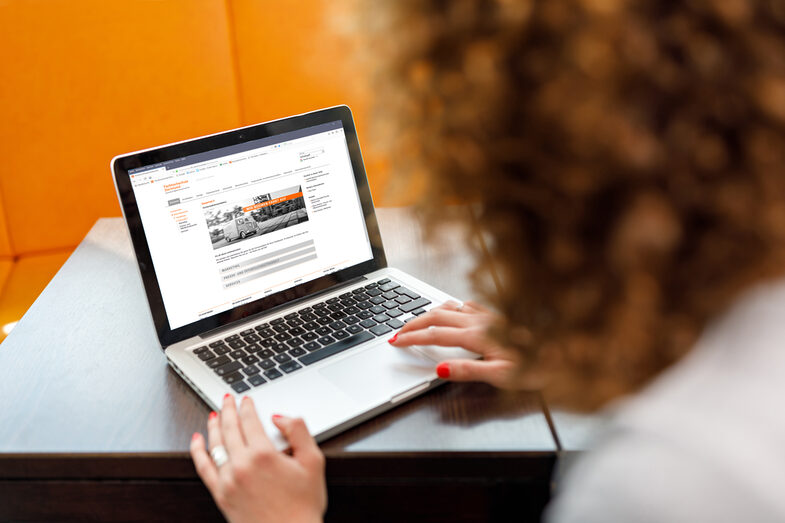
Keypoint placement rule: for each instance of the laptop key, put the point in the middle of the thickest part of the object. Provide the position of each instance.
(200, 350)
(395, 324)
(340, 334)
(371, 285)
(240, 387)
(335, 348)
(345, 295)
(217, 362)
(309, 336)
(204, 356)
(250, 360)
(380, 329)
(217, 343)
(354, 329)
(236, 344)
(415, 304)
(381, 318)
(390, 295)
(383, 281)
(326, 340)
(250, 370)
(280, 328)
(337, 325)
(256, 380)
(358, 290)
(364, 315)
(282, 358)
(267, 364)
(325, 320)
(351, 320)
(223, 349)
(295, 322)
(277, 321)
(406, 292)
(283, 336)
(295, 342)
(351, 310)
(403, 299)
(373, 292)
(278, 348)
(311, 325)
(265, 353)
(297, 352)
(367, 324)
(390, 304)
(246, 332)
(312, 346)
(262, 327)
(267, 333)
(378, 300)
(272, 374)
(251, 338)
(393, 313)
(237, 354)
(233, 378)
(229, 368)
(308, 317)
(297, 331)
(377, 309)
(253, 347)
(291, 315)
(388, 286)
(418, 312)
(323, 331)
(290, 366)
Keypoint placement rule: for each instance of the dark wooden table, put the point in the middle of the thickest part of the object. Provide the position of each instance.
(95, 425)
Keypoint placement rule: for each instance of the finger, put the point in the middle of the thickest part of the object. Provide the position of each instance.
(438, 317)
(473, 306)
(495, 372)
(230, 427)
(443, 337)
(203, 462)
(251, 425)
(214, 430)
(304, 447)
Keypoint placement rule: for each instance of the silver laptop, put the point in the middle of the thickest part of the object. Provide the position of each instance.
(263, 265)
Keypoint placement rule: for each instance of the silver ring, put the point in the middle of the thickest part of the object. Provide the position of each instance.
(219, 455)
(459, 308)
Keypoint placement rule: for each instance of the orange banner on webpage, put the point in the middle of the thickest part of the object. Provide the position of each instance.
(272, 202)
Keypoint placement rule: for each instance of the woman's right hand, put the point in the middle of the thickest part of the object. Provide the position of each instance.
(451, 325)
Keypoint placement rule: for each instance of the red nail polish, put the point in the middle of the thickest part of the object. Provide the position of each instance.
(227, 395)
(276, 416)
(392, 340)
(213, 415)
(443, 370)
(195, 435)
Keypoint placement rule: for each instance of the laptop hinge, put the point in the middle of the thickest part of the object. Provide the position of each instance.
(273, 310)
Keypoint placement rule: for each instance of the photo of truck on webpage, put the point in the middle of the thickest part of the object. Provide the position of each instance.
(232, 222)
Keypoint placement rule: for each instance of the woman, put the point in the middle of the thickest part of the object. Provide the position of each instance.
(625, 160)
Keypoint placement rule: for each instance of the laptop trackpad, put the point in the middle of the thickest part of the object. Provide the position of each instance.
(379, 373)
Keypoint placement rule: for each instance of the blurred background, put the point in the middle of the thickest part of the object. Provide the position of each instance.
(84, 80)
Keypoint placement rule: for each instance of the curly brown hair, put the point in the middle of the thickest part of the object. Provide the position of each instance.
(624, 160)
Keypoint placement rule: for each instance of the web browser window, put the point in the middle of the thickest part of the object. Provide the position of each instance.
(229, 226)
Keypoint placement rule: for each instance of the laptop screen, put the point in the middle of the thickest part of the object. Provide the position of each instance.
(232, 225)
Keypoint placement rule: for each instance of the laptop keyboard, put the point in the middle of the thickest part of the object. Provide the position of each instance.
(264, 353)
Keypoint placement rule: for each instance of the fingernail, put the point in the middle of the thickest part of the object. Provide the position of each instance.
(276, 416)
(227, 395)
(443, 370)
(195, 435)
(392, 340)
(245, 398)
(213, 415)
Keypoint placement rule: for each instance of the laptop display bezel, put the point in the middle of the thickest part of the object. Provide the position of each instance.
(121, 166)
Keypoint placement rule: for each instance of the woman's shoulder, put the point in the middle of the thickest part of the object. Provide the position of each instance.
(704, 441)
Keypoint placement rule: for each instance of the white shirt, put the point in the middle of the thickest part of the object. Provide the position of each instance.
(705, 441)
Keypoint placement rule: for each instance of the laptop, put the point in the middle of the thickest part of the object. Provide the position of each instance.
(265, 273)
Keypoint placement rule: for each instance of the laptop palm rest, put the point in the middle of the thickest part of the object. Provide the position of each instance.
(379, 373)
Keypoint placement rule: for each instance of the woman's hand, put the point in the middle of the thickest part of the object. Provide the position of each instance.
(451, 325)
(258, 483)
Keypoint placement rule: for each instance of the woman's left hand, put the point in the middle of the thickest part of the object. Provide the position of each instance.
(259, 483)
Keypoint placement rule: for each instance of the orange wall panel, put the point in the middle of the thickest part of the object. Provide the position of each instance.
(291, 59)
(84, 80)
